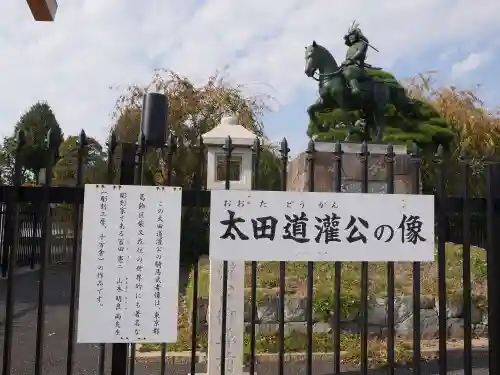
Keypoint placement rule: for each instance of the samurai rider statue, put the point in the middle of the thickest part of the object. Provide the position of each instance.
(354, 64)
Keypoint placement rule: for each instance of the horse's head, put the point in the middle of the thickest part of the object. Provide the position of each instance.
(318, 58)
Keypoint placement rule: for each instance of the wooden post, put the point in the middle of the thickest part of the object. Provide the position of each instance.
(43, 10)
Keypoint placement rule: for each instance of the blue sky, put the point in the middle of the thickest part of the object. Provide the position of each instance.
(95, 44)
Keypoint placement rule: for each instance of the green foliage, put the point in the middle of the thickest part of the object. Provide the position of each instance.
(324, 305)
(36, 122)
(417, 121)
(193, 111)
(94, 162)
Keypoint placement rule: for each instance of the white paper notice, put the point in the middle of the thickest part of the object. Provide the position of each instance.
(129, 277)
(296, 226)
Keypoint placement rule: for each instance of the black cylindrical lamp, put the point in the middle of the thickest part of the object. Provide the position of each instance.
(154, 119)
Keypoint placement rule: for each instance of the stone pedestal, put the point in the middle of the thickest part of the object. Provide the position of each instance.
(352, 169)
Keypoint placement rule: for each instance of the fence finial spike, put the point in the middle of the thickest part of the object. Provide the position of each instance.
(171, 145)
(20, 139)
(310, 147)
(390, 149)
(53, 139)
(228, 144)
(364, 148)
(82, 138)
(256, 144)
(414, 150)
(440, 152)
(113, 142)
(284, 148)
(338, 147)
(172, 141)
(463, 155)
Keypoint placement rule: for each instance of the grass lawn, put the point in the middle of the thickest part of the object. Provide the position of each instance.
(296, 282)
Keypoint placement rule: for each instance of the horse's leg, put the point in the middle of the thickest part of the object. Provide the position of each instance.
(378, 122)
(317, 106)
(366, 130)
(349, 131)
(381, 100)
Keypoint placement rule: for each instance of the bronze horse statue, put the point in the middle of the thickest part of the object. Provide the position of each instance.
(334, 93)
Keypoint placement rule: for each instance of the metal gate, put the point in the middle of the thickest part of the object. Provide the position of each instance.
(38, 303)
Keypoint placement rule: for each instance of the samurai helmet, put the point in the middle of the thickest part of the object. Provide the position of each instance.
(354, 30)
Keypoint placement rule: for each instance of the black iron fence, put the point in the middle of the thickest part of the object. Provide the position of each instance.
(30, 237)
(30, 240)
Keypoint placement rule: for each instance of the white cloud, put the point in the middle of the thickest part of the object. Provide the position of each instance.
(472, 62)
(448, 54)
(94, 44)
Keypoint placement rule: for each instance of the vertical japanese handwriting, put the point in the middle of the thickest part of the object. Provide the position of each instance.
(103, 205)
(158, 268)
(119, 306)
(120, 257)
(121, 282)
(139, 268)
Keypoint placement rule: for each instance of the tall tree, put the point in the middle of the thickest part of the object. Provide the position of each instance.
(476, 128)
(94, 163)
(36, 122)
(193, 110)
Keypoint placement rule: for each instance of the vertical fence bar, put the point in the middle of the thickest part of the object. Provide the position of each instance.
(337, 187)
(253, 287)
(441, 216)
(110, 177)
(466, 269)
(415, 160)
(6, 217)
(284, 150)
(493, 264)
(171, 149)
(9, 308)
(389, 159)
(6, 235)
(363, 156)
(75, 265)
(52, 146)
(198, 178)
(4, 259)
(119, 351)
(138, 180)
(228, 149)
(33, 245)
(311, 151)
(112, 143)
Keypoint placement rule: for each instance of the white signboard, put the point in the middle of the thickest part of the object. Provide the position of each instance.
(129, 278)
(297, 226)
